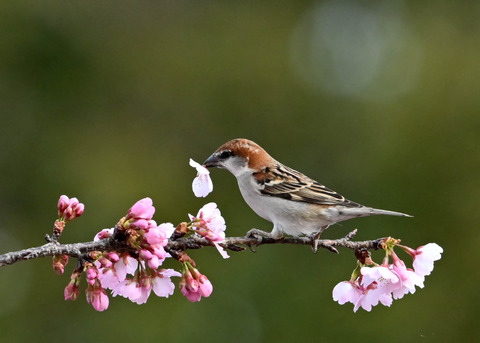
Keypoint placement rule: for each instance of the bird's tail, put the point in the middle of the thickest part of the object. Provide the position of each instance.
(374, 211)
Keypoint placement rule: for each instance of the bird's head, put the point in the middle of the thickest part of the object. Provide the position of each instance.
(239, 156)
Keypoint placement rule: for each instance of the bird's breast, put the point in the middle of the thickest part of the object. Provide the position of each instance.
(291, 217)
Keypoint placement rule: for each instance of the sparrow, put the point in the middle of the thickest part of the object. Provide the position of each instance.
(296, 204)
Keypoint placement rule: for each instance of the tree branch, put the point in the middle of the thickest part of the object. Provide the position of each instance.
(115, 243)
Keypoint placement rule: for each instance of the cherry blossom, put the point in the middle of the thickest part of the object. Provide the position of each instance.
(193, 284)
(59, 262)
(374, 274)
(136, 272)
(134, 277)
(139, 288)
(97, 297)
(202, 184)
(370, 286)
(162, 284)
(142, 209)
(376, 284)
(347, 291)
(409, 279)
(210, 224)
(62, 204)
(136, 289)
(359, 295)
(424, 257)
(372, 296)
(71, 291)
(105, 233)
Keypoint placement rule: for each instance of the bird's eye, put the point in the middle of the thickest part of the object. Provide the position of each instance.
(225, 154)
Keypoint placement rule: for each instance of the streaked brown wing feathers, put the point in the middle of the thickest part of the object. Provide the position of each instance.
(295, 186)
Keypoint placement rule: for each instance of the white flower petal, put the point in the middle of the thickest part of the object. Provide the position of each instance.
(168, 228)
(202, 186)
(426, 255)
(163, 287)
(221, 250)
(200, 169)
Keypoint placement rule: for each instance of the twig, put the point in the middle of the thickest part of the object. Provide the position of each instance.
(81, 250)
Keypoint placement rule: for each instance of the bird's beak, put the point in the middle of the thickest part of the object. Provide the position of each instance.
(212, 161)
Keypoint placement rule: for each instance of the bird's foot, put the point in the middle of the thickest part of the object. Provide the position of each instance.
(258, 235)
(316, 242)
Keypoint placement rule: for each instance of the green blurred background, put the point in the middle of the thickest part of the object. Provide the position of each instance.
(107, 101)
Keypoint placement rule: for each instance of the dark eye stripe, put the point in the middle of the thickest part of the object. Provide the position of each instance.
(225, 154)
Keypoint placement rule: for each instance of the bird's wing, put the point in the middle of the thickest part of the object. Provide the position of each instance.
(284, 182)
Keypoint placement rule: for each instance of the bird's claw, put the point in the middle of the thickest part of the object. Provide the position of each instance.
(316, 241)
(258, 235)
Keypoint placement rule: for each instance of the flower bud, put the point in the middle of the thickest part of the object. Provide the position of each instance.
(192, 284)
(180, 231)
(112, 256)
(142, 209)
(139, 224)
(71, 291)
(205, 286)
(79, 209)
(68, 214)
(154, 236)
(59, 262)
(58, 227)
(184, 258)
(105, 263)
(145, 254)
(104, 234)
(62, 205)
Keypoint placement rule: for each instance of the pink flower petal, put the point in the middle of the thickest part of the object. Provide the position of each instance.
(105, 233)
(424, 258)
(63, 203)
(155, 236)
(97, 297)
(372, 274)
(346, 291)
(167, 228)
(202, 185)
(126, 265)
(200, 169)
(163, 286)
(142, 209)
(205, 287)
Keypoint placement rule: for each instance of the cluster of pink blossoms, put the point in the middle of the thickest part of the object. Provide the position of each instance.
(210, 224)
(193, 284)
(383, 283)
(135, 274)
(69, 209)
(131, 276)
